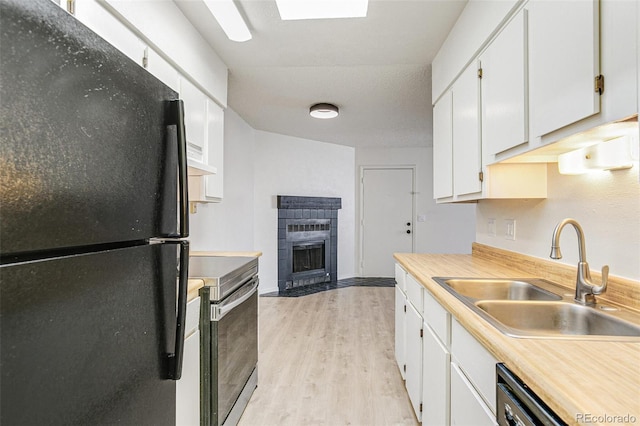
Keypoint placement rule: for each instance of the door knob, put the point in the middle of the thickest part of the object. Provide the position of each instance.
(408, 231)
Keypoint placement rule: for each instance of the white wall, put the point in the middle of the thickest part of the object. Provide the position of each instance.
(606, 204)
(449, 228)
(286, 165)
(229, 225)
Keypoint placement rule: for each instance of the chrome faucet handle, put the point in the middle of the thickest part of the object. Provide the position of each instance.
(605, 278)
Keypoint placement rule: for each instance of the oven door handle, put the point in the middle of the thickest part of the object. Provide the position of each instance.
(219, 311)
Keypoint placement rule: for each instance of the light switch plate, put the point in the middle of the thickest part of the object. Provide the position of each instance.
(491, 227)
(510, 229)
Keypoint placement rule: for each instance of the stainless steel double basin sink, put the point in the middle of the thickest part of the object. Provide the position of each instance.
(536, 308)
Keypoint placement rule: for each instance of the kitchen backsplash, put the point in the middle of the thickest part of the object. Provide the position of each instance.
(606, 204)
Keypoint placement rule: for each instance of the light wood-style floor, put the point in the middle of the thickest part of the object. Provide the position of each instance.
(328, 359)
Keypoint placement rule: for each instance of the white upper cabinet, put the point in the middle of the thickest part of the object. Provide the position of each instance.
(475, 25)
(195, 104)
(564, 62)
(163, 25)
(107, 26)
(214, 184)
(460, 171)
(504, 89)
(467, 150)
(162, 69)
(443, 148)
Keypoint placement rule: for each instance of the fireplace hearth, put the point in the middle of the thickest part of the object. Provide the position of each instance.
(307, 240)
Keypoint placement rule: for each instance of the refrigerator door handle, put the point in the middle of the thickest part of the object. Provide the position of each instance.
(176, 117)
(175, 359)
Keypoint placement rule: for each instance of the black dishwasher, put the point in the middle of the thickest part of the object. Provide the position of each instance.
(517, 405)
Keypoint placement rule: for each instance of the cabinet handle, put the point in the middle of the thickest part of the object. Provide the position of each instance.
(175, 359)
(176, 117)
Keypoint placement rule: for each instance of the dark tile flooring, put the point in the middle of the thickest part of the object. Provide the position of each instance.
(347, 282)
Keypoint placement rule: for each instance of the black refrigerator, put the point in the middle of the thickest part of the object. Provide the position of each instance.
(93, 216)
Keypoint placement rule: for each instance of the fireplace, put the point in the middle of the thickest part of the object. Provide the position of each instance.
(307, 240)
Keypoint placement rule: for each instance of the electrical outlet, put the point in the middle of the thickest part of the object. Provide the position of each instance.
(491, 227)
(510, 231)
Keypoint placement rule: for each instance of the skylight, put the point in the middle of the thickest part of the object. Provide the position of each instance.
(321, 9)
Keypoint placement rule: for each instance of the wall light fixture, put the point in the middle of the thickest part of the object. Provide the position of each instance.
(610, 155)
(229, 18)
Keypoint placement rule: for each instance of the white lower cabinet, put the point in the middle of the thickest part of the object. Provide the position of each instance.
(467, 406)
(188, 387)
(477, 363)
(413, 375)
(435, 379)
(400, 337)
(449, 375)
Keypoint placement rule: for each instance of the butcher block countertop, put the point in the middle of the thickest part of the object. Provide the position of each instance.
(576, 378)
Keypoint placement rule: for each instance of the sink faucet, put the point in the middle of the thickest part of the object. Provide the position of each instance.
(585, 289)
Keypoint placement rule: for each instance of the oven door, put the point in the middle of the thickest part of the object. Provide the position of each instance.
(234, 346)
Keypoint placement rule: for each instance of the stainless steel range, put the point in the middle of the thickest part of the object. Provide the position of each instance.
(229, 337)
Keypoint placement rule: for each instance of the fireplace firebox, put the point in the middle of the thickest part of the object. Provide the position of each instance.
(307, 240)
(308, 257)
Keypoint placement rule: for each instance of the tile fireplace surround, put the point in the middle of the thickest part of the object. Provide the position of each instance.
(307, 240)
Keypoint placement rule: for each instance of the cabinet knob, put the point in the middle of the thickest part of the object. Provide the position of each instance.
(408, 223)
(408, 231)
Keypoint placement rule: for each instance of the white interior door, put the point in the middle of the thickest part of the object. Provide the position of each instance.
(386, 219)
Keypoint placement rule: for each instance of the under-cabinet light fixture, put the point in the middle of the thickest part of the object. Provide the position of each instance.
(323, 111)
(610, 155)
(321, 9)
(229, 18)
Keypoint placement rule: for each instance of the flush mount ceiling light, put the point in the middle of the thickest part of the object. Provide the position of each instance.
(321, 9)
(323, 111)
(611, 155)
(229, 18)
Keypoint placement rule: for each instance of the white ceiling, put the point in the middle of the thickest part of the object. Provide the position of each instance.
(375, 69)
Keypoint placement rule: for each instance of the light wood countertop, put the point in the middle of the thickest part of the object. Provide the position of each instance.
(574, 377)
(193, 287)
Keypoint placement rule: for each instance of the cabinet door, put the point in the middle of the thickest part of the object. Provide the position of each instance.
(476, 361)
(467, 407)
(442, 148)
(564, 61)
(504, 89)
(188, 387)
(162, 69)
(466, 132)
(214, 184)
(107, 26)
(435, 380)
(194, 116)
(400, 315)
(414, 358)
